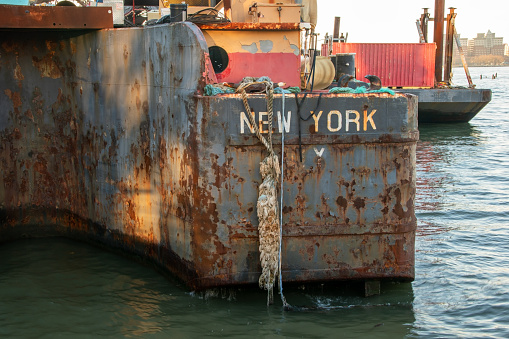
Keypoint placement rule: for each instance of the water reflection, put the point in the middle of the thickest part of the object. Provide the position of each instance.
(62, 287)
(430, 179)
(320, 312)
(447, 133)
(440, 147)
(444, 158)
(58, 287)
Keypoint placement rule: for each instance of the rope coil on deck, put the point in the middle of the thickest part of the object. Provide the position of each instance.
(267, 205)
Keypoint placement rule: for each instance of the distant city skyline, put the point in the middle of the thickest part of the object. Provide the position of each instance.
(394, 21)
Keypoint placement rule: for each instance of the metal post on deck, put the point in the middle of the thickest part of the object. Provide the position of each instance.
(134, 15)
(335, 35)
(463, 60)
(438, 38)
(449, 43)
(424, 24)
(421, 35)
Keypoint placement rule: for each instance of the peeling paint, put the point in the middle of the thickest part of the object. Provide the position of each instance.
(252, 48)
(266, 46)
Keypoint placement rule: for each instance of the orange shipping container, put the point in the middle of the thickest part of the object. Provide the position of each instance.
(397, 65)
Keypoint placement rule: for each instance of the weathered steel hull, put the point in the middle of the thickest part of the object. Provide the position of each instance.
(106, 137)
(449, 105)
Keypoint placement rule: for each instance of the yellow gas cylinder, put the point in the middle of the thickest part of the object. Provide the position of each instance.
(324, 73)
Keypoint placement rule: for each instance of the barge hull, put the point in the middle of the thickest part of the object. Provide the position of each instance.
(449, 105)
(106, 137)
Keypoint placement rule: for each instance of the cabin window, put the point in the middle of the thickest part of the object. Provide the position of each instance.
(219, 58)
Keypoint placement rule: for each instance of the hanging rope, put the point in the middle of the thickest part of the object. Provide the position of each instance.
(267, 205)
(299, 105)
(283, 120)
(270, 94)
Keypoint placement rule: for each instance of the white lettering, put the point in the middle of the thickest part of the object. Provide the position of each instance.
(316, 117)
(329, 123)
(284, 121)
(262, 122)
(348, 120)
(319, 153)
(369, 118)
(244, 119)
(334, 121)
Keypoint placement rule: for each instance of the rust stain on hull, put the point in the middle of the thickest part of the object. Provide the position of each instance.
(246, 26)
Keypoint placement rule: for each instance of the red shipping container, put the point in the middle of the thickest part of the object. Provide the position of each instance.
(397, 65)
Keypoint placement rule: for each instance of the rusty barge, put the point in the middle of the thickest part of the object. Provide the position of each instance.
(423, 69)
(107, 136)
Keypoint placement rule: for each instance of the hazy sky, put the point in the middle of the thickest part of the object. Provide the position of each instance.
(394, 20)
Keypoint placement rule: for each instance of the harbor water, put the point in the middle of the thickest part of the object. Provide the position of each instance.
(60, 288)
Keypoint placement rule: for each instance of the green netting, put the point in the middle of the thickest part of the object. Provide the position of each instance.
(289, 90)
(211, 90)
(341, 90)
(384, 90)
(360, 90)
(264, 78)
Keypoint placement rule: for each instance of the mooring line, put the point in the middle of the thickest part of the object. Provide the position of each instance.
(283, 123)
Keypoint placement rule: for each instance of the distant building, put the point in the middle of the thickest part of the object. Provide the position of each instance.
(482, 44)
(486, 44)
(463, 43)
(456, 58)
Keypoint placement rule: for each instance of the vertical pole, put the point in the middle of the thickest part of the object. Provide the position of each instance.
(424, 24)
(335, 35)
(438, 38)
(449, 43)
(463, 60)
(227, 5)
(328, 40)
(421, 36)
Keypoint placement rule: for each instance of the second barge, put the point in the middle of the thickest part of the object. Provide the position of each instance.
(422, 69)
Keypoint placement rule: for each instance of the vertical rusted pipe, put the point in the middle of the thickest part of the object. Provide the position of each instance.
(449, 42)
(424, 24)
(335, 35)
(227, 5)
(463, 60)
(438, 38)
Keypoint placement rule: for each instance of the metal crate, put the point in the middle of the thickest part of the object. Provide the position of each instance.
(117, 8)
